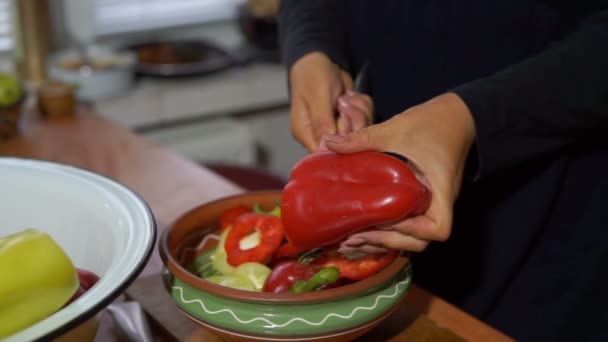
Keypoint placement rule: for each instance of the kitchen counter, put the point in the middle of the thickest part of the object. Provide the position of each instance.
(237, 116)
(154, 102)
(90, 141)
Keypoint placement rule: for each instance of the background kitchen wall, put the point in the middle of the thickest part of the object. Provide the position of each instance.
(237, 115)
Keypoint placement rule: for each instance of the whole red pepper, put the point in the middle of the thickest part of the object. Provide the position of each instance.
(330, 196)
(271, 236)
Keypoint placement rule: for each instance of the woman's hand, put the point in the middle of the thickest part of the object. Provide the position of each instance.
(436, 137)
(316, 83)
(356, 112)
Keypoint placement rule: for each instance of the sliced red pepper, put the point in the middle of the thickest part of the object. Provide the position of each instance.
(288, 250)
(230, 215)
(286, 273)
(330, 196)
(87, 279)
(359, 268)
(271, 232)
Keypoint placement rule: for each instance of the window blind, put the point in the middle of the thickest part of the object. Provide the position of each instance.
(7, 26)
(118, 16)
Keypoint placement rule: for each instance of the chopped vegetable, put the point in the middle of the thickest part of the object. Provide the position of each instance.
(286, 273)
(86, 279)
(203, 265)
(230, 215)
(37, 278)
(356, 268)
(234, 281)
(271, 236)
(219, 259)
(255, 272)
(288, 250)
(325, 276)
(276, 211)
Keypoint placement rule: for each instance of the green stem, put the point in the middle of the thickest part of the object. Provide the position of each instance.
(324, 276)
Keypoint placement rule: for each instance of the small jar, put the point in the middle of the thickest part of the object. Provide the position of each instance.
(9, 120)
(56, 99)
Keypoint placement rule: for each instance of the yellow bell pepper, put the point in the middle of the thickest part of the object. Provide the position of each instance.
(37, 278)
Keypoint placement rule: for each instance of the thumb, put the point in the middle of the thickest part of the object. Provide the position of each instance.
(361, 140)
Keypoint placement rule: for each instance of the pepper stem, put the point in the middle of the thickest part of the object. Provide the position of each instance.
(307, 257)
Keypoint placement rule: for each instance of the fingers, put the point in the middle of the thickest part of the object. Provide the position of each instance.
(369, 249)
(357, 108)
(355, 133)
(301, 126)
(422, 227)
(347, 80)
(344, 125)
(360, 101)
(360, 140)
(381, 240)
(412, 234)
(322, 117)
(355, 244)
(315, 84)
(311, 118)
(357, 119)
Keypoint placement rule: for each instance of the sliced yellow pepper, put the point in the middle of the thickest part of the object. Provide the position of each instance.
(37, 278)
(219, 259)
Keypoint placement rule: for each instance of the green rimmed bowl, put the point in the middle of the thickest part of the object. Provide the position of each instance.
(338, 314)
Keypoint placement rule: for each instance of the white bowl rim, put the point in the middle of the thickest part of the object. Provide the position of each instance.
(58, 328)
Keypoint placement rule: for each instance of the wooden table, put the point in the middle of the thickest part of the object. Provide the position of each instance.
(171, 185)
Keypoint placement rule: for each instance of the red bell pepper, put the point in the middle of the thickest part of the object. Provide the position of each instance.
(330, 196)
(87, 279)
(356, 268)
(271, 236)
(288, 250)
(229, 215)
(286, 273)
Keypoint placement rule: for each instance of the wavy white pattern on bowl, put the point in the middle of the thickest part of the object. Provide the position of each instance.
(103, 226)
(296, 320)
(399, 286)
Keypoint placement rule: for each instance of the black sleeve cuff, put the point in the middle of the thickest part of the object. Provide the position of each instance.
(312, 25)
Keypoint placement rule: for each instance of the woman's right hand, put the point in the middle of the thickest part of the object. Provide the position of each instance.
(316, 84)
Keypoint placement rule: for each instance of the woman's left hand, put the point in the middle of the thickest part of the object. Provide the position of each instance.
(435, 137)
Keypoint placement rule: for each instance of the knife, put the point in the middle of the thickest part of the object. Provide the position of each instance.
(360, 86)
(361, 81)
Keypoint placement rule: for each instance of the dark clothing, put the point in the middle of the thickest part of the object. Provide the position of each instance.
(529, 246)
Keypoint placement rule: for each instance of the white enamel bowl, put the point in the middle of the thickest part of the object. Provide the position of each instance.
(103, 226)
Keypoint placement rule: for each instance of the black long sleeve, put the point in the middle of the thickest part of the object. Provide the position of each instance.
(312, 25)
(539, 107)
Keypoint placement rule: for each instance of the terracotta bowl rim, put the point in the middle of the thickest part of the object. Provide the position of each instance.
(340, 293)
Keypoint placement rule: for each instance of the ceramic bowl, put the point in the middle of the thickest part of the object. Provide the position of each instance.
(103, 227)
(342, 313)
(104, 74)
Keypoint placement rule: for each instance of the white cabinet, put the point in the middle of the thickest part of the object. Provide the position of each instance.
(278, 151)
(223, 140)
(239, 116)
